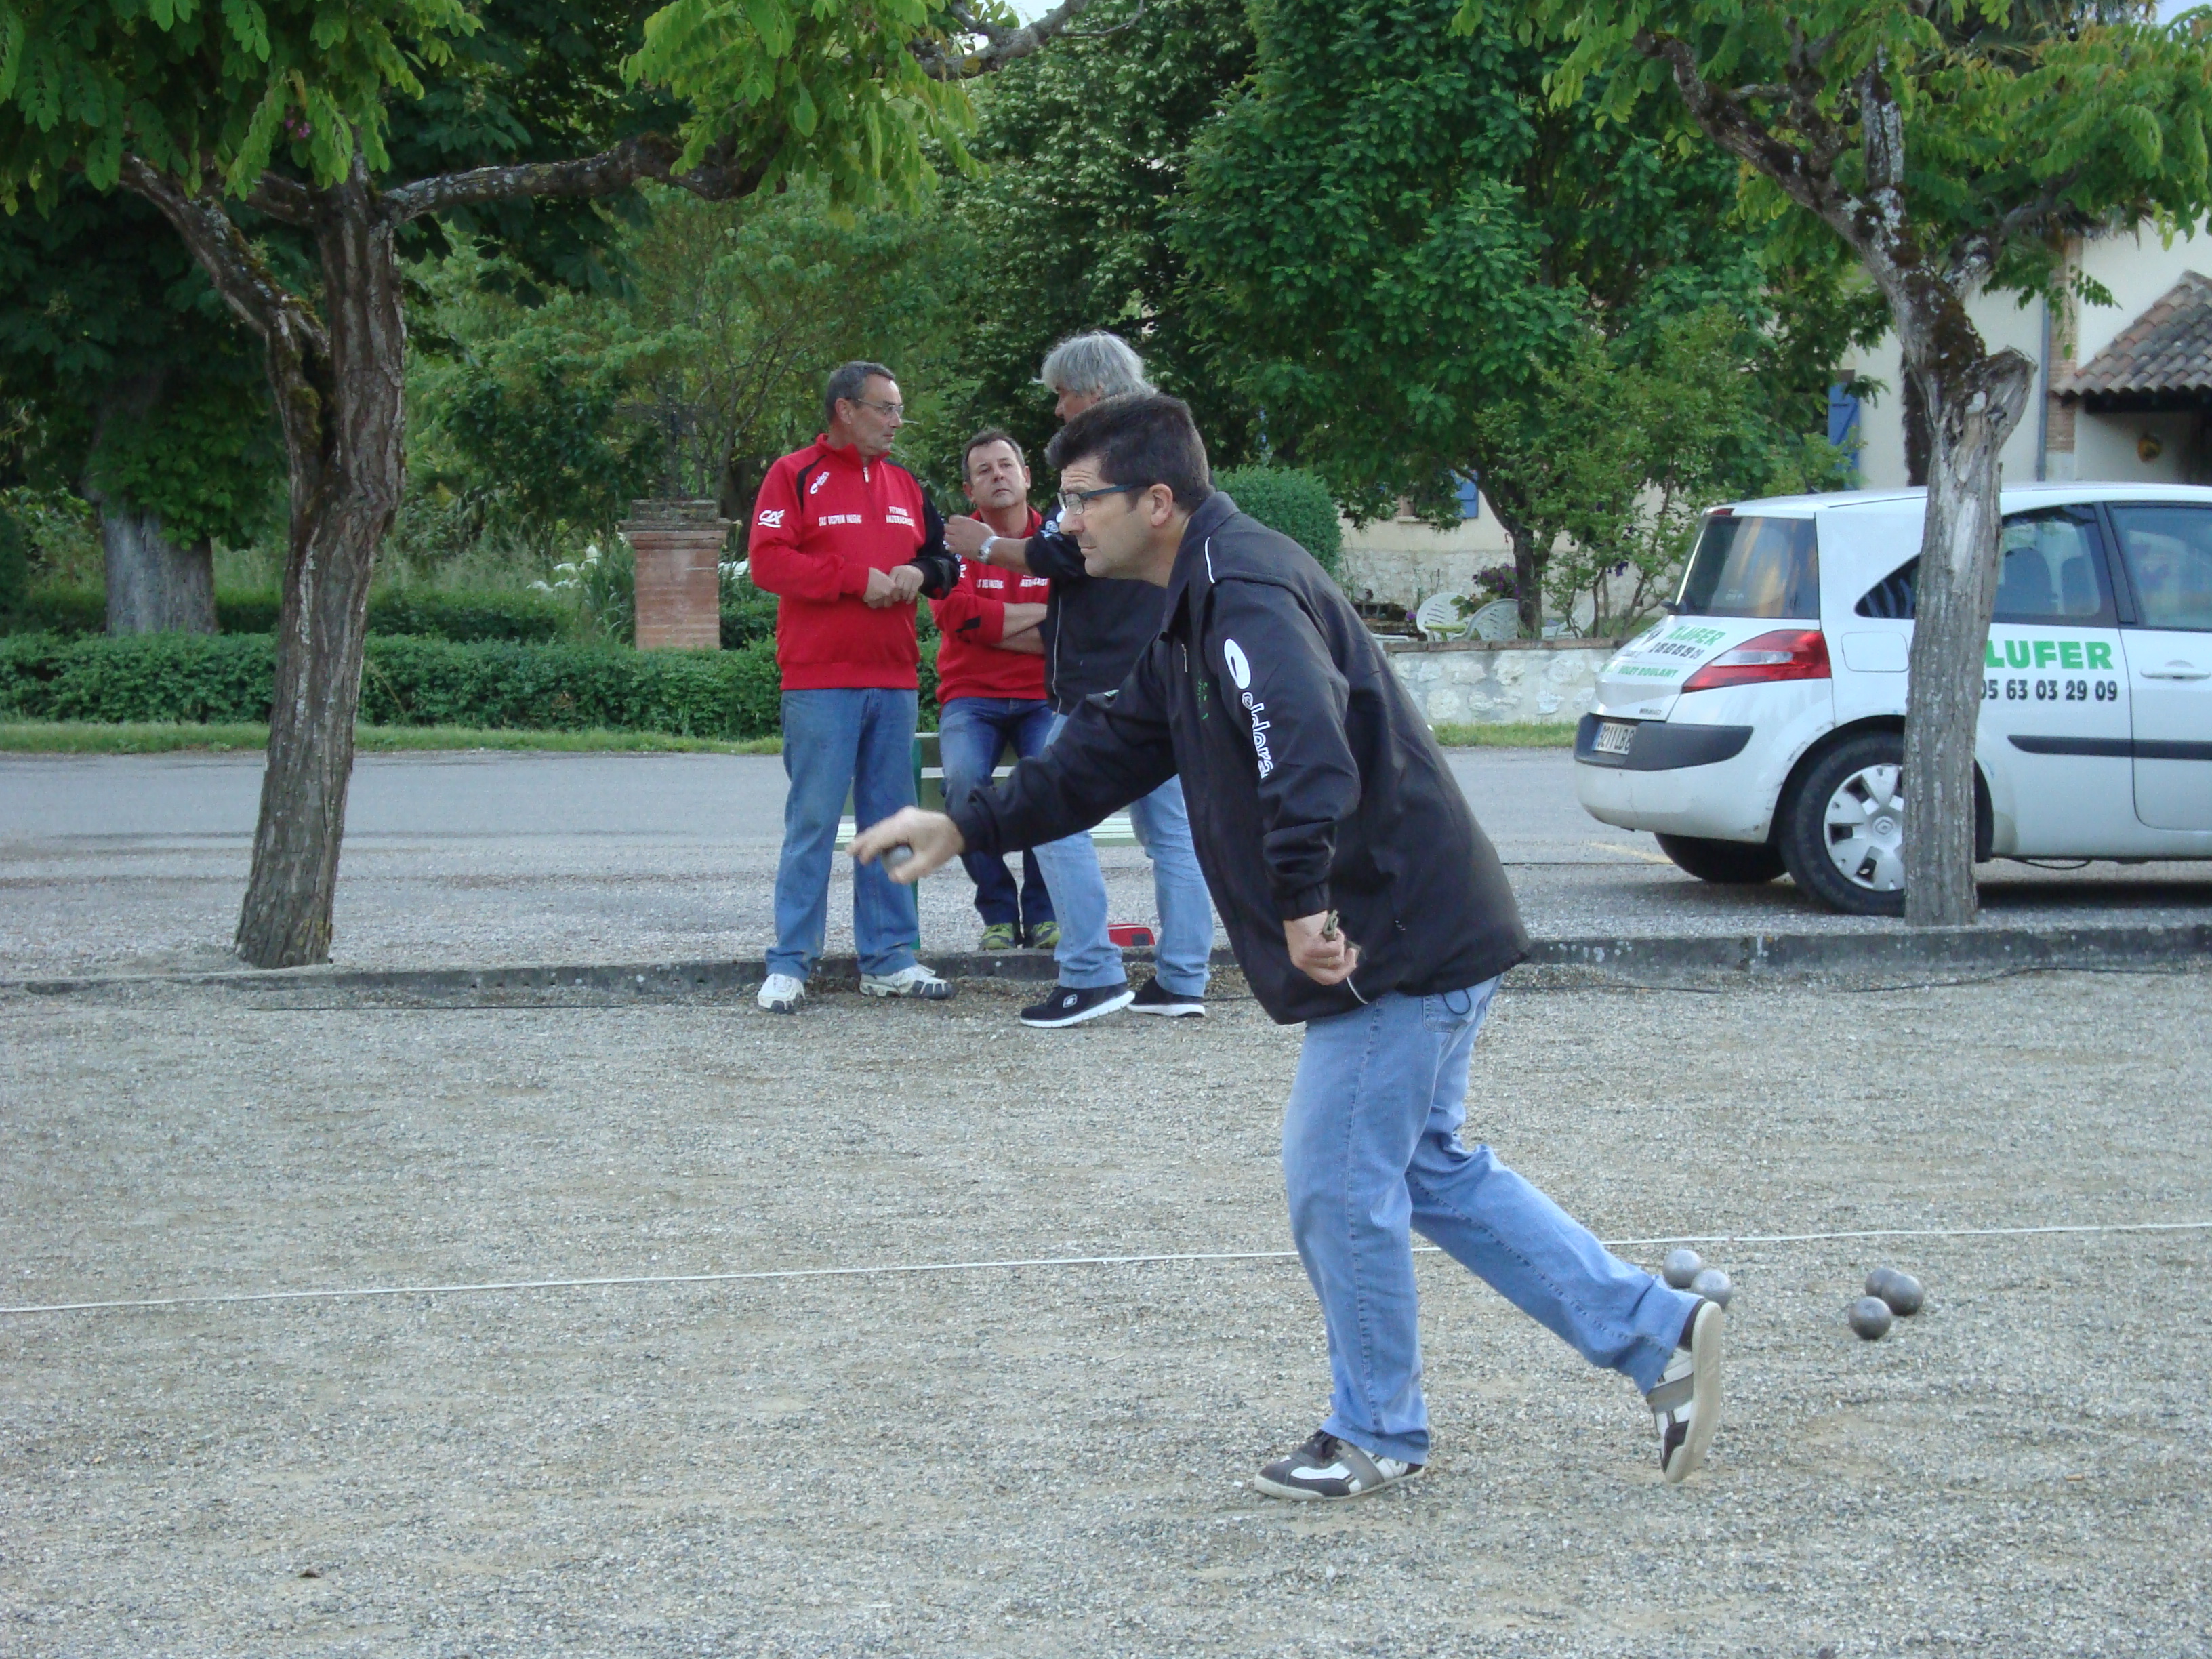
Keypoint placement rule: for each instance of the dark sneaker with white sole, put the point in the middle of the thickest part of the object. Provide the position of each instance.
(1068, 1006)
(1687, 1402)
(1325, 1467)
(1156, 999)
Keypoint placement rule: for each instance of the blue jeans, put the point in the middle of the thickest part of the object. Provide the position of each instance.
(971, 733)
(1370, 1147)
(833, 741)
(1087, 959)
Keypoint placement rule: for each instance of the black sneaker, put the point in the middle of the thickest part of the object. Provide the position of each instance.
(1686, 1403)
(1156, 999)
(1326, 1467)
(1068, 1006)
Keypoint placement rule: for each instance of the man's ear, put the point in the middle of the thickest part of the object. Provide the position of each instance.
(1159, 503)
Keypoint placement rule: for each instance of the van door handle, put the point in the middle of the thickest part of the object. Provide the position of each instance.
(2178, 670)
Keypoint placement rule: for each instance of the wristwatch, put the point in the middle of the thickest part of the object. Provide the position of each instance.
(983, 553)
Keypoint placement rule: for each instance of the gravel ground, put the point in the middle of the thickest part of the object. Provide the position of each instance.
(1050, 1460)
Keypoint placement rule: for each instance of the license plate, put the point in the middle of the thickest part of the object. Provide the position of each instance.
(1613, 737)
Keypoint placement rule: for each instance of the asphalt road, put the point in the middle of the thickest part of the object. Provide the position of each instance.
(122, 864)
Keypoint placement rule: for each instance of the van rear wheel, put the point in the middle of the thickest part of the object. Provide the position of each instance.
(1842, 831)
(1728, 863)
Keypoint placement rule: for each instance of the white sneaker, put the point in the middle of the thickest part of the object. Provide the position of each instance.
(1686, 1403)
(781, 993)
(914, 982)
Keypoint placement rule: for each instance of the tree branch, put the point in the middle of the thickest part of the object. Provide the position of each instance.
(1002, 44)
(282, 198)
(649, 156)
(246, 286)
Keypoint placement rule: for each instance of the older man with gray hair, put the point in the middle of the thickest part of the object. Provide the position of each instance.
(1094, 631)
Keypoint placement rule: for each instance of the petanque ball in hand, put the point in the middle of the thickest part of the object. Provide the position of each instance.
(1902, 1292)
(1870, 1318)
(1713, 1285)
(894, 856)
(1682, 1266)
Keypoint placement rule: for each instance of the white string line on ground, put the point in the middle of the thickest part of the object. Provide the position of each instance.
(891, 1269)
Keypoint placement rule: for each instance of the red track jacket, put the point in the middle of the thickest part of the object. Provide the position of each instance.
(823, 519)
(972, 618)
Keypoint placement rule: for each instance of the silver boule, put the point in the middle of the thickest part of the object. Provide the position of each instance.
(1869, 1317)
(1713, 1285)
(1682, 1266)
(1904, 1294)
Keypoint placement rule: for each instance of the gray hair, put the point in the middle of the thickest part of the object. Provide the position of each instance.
(848, 381)
(1103, 365)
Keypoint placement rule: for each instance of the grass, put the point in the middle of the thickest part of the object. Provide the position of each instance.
(86, 737)
(1518, 736)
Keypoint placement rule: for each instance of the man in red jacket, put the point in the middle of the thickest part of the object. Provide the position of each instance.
(990, 683)
(846, 538)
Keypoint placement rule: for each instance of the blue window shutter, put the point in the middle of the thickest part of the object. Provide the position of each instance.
(1470, 495)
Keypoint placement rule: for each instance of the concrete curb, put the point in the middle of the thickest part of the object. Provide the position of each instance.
(1750, 955)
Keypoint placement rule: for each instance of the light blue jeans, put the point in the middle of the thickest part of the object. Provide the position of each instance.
(1371, 1147)
(1087, 959)
(833, 741)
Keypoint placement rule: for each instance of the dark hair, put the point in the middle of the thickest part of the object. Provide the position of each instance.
(990, 434)
(1143, 438)
(848, 381)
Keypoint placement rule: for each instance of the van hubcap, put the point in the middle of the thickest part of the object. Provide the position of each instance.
(1865, 828)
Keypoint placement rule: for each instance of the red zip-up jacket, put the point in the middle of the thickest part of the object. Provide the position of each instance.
(972, 618)
(824, 517)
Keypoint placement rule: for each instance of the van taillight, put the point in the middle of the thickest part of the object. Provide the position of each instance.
(1788, 654)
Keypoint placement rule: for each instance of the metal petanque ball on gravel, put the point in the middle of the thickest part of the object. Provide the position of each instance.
(1901, 1292)
(1682, 1266)
(1869, 1317)
(1713, 1285)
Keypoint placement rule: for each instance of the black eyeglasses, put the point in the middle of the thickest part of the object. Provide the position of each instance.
(1075, 500)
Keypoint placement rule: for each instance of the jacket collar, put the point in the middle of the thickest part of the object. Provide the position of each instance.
(1193, 568)
(844, 455)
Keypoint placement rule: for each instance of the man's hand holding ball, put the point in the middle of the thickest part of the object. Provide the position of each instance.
(933, 839)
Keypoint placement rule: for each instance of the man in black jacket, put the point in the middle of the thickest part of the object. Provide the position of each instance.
(1093, 632)
(1362, 898)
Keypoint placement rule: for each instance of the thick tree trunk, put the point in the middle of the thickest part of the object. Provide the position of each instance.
(154, 587)
(1529, 561)
(343, 421)
(1972, 410)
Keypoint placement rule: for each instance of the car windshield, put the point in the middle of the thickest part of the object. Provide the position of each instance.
(1753, 568)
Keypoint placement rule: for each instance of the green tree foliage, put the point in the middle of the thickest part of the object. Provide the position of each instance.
(1085, 150)
(139, 384)
(1395, 233)
(1952, 148)
(1295, 502)
(1633, 447)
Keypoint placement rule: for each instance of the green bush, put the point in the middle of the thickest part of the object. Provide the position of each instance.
(1295, 502)
(406, 681)
(15, 565)
(432, 613)
(58, 609)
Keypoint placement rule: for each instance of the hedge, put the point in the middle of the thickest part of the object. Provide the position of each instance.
(431, 613)
(405, 681)
(215, 678)
(1295, 502)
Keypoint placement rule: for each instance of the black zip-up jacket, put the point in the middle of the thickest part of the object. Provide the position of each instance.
(1313, 782)
(1094, 629)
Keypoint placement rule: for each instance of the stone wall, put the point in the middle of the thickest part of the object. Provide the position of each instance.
(1474, 683)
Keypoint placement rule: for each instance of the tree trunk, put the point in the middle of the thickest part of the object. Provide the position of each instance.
(1529, 561)
(343, 418)
(154, 587)
(1972, 410)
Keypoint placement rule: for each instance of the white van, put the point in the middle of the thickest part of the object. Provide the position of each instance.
(1760, 728)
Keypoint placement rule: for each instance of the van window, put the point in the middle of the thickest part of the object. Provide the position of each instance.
(2168, 551)
(1753, 568)
(2052, 572)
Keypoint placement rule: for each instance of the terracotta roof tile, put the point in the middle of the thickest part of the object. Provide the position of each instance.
(2167, 348)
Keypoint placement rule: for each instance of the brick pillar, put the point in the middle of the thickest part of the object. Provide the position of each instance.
(679, 595)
